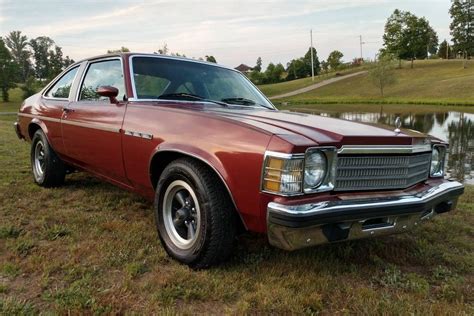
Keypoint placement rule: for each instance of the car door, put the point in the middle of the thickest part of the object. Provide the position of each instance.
(51, 104)
(91, 125)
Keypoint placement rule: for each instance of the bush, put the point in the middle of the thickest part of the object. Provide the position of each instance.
(30, 87)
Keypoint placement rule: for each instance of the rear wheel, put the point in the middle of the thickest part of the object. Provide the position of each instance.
(194, 214)
(48, 170)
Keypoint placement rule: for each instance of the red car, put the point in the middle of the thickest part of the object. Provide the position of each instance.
(217, 157)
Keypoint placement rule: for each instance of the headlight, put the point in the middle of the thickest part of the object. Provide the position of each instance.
(293, 174)
(283, 174)
(315, 169)
(437, 161)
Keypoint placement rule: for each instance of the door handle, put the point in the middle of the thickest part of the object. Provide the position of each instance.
(68, 110)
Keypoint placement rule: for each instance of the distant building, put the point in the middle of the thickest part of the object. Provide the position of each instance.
(244, 68)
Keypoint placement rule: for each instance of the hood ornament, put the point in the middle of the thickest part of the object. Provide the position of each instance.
(398, 124)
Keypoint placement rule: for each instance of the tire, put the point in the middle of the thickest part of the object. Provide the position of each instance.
(48, 170)
(190, 197)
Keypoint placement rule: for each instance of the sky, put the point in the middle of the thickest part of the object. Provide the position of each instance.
(234, 32)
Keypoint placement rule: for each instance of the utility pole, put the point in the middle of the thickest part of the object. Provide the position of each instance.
(312, 62)
(447, 50)
(361, 43)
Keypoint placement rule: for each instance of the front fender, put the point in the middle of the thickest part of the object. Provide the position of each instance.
(244, 199)
(195, 152)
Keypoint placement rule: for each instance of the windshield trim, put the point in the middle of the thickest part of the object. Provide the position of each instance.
(228, 105)
(132, 81)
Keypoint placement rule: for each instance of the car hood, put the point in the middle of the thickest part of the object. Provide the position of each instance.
(322, 130)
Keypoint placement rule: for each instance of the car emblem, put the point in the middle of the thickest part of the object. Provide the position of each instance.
(398, 124)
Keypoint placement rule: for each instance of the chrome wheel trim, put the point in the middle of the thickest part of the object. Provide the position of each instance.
(181, 214)
(39, 160)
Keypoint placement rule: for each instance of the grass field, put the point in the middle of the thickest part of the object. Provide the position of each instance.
(316, 108)
(15, 100)
(91, 248)
(282, 87)
(430, 82)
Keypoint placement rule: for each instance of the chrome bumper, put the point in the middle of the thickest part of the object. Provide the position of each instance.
(291, 227)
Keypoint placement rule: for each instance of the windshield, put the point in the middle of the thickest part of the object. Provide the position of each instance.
(173, 79)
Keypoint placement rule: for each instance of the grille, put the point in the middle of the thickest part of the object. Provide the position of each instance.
(378, 172)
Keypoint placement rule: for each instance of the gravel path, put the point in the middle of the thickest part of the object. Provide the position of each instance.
(317, 85)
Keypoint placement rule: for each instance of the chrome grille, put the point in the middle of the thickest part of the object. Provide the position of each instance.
(379, 172)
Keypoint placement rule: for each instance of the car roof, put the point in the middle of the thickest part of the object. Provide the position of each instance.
(128, 54)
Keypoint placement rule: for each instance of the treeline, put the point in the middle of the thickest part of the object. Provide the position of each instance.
(29, 63)
(299, 67)
(406, 37)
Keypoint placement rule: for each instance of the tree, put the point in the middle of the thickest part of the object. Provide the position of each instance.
(421, 38)
(462, 27)
(409, 37)
(211, 59)
(296, 68)
(163, 50)
(316, 64)
(18, 45)
(382, 73)
(393, 37)
(258, 66)
(301, 67)
(120, 50)
(273, 73)
(30, 87)
(257, 77)
(7, 71)
(445, 50)
(41, 46)
(325, 66)
(334, 59)
(68, 61)
(56, 62)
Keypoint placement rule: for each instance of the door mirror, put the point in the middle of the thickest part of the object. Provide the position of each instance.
(109, 92)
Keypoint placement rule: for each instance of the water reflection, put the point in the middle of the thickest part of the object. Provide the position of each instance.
(455, 127)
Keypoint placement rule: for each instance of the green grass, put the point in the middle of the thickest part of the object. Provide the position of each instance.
(16, 97)
(430, 82)
(316, 108)
(91, 248)
(282, 87)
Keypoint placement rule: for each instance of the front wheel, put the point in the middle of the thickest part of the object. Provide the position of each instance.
(48, 169)
(194, 214)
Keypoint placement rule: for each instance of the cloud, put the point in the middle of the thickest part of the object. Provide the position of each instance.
(234, 31)
(81, 25)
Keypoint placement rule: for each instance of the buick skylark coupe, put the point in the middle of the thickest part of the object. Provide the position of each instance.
(217, 158)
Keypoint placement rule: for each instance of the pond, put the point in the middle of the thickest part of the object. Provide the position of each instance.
(457, 128)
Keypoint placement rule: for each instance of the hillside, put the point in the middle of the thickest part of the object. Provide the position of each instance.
(283, 87)
(430, 82)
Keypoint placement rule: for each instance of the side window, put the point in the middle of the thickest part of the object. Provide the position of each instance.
(61, 88)
(102, 73)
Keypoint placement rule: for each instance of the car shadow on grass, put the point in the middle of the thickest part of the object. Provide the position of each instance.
(414, 249)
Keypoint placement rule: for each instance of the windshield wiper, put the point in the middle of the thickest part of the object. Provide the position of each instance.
(242, 101)
(189, 97)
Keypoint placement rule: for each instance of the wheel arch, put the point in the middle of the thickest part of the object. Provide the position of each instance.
(34, 126)
(161, 158)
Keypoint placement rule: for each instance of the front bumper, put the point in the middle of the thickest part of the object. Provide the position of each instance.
(292, 227)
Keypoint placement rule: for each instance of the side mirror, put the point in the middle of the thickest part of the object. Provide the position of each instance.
(109, 92)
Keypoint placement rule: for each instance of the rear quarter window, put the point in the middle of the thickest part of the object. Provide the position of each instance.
(61, 89)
